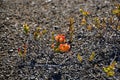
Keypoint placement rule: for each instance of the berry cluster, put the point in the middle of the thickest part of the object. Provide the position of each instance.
(60, 45)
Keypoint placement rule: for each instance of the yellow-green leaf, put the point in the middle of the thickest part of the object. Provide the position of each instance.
(20, 54)
(81, 10)
(44, 31)
(26, 28)
(92, 56)
(115, 11)
(106, 69)
(110, 73)
(79, 57)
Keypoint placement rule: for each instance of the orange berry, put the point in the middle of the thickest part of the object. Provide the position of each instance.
(60, 38)
(57, 38)
(64, 47)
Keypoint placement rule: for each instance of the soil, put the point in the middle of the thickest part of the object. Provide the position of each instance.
(41, 62)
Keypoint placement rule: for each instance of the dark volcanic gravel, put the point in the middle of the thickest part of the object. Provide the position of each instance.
(41, 62)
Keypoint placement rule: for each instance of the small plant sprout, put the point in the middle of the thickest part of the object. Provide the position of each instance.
(83, 21)
(89, 27)
(26, 28)
(79, 57)
(117, 11)
(64, 47)
(92, 56)
(97, 22)
(22, 53)
(109, 70)
(37, 33)
(71, 28)
(103, 23)
(84, 13)
(44, 31)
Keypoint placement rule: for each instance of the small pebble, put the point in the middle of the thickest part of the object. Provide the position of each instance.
(48, 0)
(10, 51)
(32, 77)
